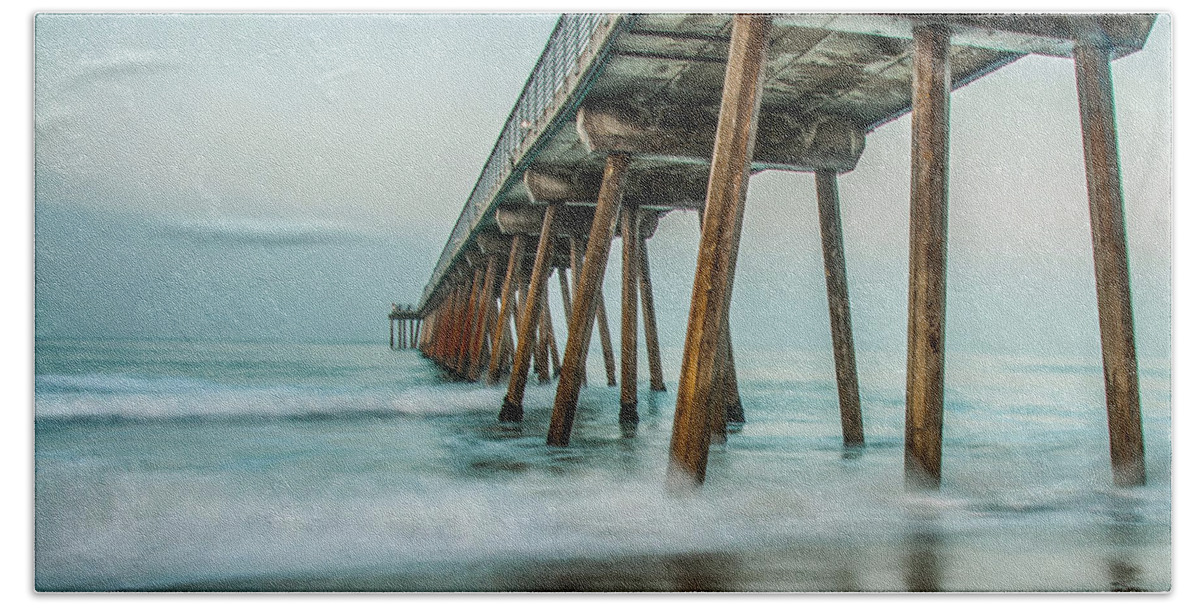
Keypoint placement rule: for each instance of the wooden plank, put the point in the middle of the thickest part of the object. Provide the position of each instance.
(1093, 77)
(512, 409)
(630, 239)
(927, 257)
(838, 291)
(717, 257)
(588, 297)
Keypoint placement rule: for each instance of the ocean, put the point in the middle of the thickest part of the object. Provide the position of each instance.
(349, 467)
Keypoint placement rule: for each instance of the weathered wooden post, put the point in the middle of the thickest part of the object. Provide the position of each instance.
(548, 327)
(512, 410)
(506, 296)
(838, 292)
(541, 356)
(487, 298)
(576, 268)
(732, 397)
(927, 256)
(469, 328)
(606, 345)
(630, 239)
(717, 258)
(392, 333)
(1093, 79)
(651, 324)
(587, 299)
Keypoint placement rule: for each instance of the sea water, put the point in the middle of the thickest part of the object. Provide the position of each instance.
(229, 466)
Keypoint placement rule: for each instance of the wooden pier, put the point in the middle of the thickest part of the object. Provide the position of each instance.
(628, 117)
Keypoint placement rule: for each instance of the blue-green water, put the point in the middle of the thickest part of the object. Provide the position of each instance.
(171, 465)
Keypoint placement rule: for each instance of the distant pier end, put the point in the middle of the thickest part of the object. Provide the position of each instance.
(404, 325)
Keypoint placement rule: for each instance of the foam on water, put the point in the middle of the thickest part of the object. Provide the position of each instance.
(203, 484)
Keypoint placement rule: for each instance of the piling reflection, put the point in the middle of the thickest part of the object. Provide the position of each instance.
(1125, 531)
(924, 545)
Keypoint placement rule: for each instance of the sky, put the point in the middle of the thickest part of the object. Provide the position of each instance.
(287, 177)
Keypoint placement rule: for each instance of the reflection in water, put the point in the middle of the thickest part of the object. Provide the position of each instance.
(852, 452)
(922, 565)
(1126, 534)
(702, 571)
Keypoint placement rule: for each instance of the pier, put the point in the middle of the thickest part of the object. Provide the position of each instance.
(403, 326)
(628, 117)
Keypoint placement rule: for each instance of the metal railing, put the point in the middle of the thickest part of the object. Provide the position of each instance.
(572, 56)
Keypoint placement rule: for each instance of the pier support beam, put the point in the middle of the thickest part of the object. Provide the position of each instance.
(717, 257)
(651, 324)
(838, 291)
(548, 327)
(588, 297)
(1093, 78)
(606, 345)
(927, 257)
(506, 297)
(482, 320)
(392, 333)
(630, 241)
(469, 327)
(732, 396)
(576, 268)
(512, 409)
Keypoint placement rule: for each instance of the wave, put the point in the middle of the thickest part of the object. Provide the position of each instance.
(122, 397)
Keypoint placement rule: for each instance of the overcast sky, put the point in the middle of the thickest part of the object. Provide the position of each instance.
(287, 177)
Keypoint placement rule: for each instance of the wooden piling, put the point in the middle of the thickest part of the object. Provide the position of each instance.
(482, 321)
(606, 345)
(1093, 78)
(838, 292)
(654, 359)
(588, 297)
(717, 257)
(392, 333)
(630, 239)
(541, 361)
(512, 409)
(732, 397)
(576, 265)
(927, 257)
(502, 320)
(470, 316)
(548, 328)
